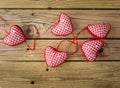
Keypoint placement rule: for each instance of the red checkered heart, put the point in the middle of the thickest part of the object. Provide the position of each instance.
(100, 30)
(90, 49)
(14, 37)
(54, 57)
(64, 26)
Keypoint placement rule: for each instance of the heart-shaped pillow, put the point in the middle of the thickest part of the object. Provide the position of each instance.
(100, 30)
(90, 49)
(64, 26)
(53, 57)
(15, 36)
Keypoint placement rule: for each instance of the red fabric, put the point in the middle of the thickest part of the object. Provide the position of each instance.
(90, 49)
(99, 31)
(53, 57)
(63, 27)
(15, 36)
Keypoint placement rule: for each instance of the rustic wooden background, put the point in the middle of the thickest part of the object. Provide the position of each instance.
(20, 68)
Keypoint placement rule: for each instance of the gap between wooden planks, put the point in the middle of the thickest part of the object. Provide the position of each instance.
(69, 75)
(45, 18)
(20, 52)
(60, 4)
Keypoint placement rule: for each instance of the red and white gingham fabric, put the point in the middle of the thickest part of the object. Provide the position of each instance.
(14, 37)
(64, 26)
(54, 57)
(100, 30)
(90, 49)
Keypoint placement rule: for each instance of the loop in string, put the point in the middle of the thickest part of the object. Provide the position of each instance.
(71, 42)
(34, 43)
(74, 41)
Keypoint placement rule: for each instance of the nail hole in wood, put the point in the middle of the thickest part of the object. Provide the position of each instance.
(32, 82)
(47, 69)
(27, 49)
(32, 14)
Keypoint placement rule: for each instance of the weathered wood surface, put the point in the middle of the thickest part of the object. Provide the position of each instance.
(60, 4)
(20, 53)
(80, 19)
(69, 75)
(20, 68)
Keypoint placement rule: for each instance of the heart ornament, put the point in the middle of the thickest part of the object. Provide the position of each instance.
(64, 26)
(15, 36)
(90, 49)
(53, 57)
(100, 30)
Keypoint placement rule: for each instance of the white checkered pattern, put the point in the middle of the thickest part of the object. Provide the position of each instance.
(90, 49)
(54, 57)
(99, 30)
(14, 37)
(64, 26)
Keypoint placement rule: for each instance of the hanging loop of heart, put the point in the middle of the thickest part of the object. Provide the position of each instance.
(74, 42)
(71, 42)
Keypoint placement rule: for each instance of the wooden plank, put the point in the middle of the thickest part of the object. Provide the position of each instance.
(69, 75)
(20, 52)
(60, 4)
(45, 18)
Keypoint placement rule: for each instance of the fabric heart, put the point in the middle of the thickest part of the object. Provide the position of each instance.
(54, 57)
(90, 49)
(64, 26)
(14, 37)
(100, 30)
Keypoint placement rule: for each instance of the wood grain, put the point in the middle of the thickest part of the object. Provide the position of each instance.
(60, 4)
(80, 19)
(20, 68)
(20, 52)
(69, 75)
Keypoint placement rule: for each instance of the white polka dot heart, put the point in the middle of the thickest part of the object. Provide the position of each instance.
(90, 49)
(64, 26)
(53, 57)
(14, 37)
(99, 30)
